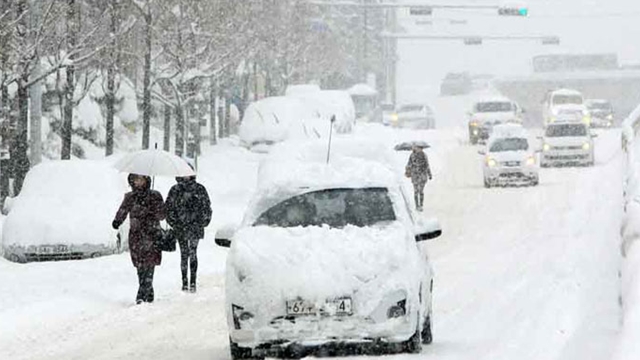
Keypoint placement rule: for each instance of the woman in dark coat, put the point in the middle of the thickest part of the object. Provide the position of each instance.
(419, 171)
(145, 208)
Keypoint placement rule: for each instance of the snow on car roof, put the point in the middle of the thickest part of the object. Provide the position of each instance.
(508, 130)
(66, 202)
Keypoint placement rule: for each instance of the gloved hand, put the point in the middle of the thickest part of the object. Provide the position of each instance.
(115, 224)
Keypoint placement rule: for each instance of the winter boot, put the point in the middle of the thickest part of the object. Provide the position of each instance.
(192, 286)
(185, 286)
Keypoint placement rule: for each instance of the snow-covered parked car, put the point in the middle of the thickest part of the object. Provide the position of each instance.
(64, 212)
(328, 257)
(275, 119)
(325, 104)
(567, 143)
(509, 159)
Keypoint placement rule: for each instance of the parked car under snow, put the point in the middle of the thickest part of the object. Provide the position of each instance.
(64, 212)
(328, 258)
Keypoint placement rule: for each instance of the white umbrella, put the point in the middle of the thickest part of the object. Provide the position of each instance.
(154, 162)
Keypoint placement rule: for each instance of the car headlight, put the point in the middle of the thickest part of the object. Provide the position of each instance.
(491, 162)
(473, 124)
(586, 119)
(546, 147)
(586, 146)
(552, 119)
(531, 160)
(394, 117)
(610, 117)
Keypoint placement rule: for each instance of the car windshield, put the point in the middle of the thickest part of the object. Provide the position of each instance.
(333, 207)
(409, 108)
(493, 107)
(567, 99)
(566, 130)
(509, 144)
(599, 106)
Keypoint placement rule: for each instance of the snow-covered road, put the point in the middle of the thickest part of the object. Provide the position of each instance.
(521, 273)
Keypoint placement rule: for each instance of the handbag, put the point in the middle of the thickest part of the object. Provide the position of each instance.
(407, 172)
(164, 239)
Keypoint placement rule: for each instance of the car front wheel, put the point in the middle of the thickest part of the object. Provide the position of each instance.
(240, 353)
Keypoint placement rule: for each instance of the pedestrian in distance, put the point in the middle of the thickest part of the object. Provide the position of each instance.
(419, 171)
(145, 208)
(188, 213)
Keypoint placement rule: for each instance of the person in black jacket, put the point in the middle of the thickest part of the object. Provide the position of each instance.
(188, 213)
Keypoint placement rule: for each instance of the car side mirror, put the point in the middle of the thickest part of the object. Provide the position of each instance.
(482, 152)
(224, 235)
(427, 229)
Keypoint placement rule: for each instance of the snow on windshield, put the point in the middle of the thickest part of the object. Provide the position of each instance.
(566, 130)
(509, 144)
(494, 107)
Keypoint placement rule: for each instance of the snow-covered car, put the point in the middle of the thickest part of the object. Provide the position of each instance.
(414, 116)
(489, 112)
(456, 84)
(567, 143)
(601, 112)
(366, 103)
(328, 256)
(388, 113)
(64, 212)
(509, 159)
(561, 104)
(325, 104)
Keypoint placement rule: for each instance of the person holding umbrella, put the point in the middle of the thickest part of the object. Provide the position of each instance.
(188, 213)
(145, 208)
(419, 171)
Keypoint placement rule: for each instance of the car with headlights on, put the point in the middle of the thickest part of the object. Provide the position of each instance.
(565, 105)
(489, 112)
(414, 116)
(601, 112)
(64, 212)
(328, 258)
(509, 158)
(567, 143)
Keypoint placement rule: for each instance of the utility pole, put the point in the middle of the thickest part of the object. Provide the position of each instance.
(35, 97)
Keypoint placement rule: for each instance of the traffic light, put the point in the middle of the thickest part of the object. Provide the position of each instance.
(550, 40)
(513, 11)
(421, 10)
(473, 40)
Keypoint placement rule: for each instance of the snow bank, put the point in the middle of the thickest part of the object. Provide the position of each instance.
(66, 202)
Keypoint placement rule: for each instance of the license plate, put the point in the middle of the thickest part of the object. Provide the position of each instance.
(52, 249)
(339, 307)
(512, 163)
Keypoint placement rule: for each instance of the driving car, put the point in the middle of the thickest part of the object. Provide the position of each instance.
(414, 116)
(64, 212)
(388, 113)
(565, 103)
(328, 257)
(509, 158)
(489, 112)
(567, 143)
(456, 84)
(601, 112)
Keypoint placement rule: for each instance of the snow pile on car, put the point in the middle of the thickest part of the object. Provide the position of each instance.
(66, 202)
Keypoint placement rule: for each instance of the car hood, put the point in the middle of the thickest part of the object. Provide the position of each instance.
(268, 265)
(569, 107)
(566, 140)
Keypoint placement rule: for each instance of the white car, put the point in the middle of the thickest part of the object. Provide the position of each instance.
(601, 111)
(328, 257)
(509, 158)
(64, 212)
(414, 116)
(565, 103)
(491, 112)
(567, 143)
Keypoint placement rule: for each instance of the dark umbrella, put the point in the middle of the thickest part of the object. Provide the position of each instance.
(408, 145)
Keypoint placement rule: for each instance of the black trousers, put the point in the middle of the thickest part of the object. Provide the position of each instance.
(188, 258)
(418, 192)
(145, 284)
